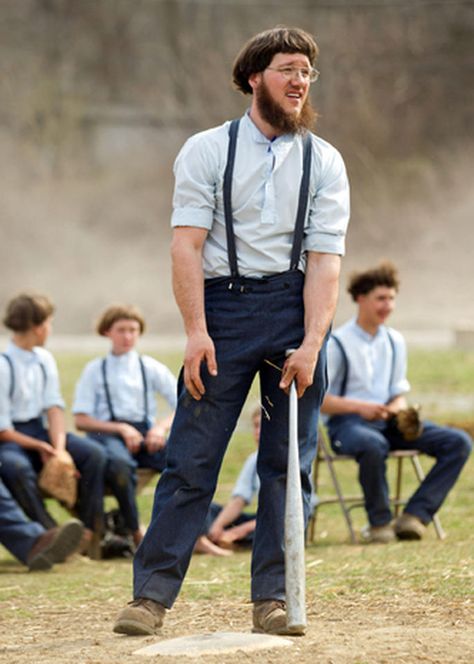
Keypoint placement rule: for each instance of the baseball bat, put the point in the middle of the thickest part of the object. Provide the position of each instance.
(294, 526)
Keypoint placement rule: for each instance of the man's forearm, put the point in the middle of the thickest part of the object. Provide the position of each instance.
(320, 296)
(188, 284)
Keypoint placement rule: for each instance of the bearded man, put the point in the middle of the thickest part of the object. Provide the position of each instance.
(261, 207)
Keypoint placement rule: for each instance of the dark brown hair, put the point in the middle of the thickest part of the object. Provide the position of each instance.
(258, 52)
(119, 312)
(361, 283)
(27, 310)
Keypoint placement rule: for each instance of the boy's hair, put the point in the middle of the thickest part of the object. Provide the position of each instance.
(27, 310)
(119, 312)
(361, 283)
(257, 54)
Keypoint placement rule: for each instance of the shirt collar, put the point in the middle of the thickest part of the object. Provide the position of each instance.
(21, 354)
(257, 135)
(124, 357)
(366, 336)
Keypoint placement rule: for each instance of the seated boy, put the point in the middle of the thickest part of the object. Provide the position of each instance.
(29, 391)
(367, 386)
(115, 403)
(228, 527)
(28, 541)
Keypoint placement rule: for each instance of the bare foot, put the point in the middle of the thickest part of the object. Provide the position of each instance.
(204, 545)
(231, 535)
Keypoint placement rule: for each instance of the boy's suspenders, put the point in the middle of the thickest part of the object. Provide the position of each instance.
(12, 375)
(302, 201)
(107, 389)
(345, 362)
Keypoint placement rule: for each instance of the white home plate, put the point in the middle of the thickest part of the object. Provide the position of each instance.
(211, 644)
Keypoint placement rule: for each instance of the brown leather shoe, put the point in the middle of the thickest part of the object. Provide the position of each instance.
(142, 616)
(269, 616)
(409, 527)
(378, 534)
(55, 545)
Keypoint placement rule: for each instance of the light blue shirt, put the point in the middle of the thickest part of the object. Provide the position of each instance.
(125, 381)
(265, 189)
(247, 485)
(35, 389)
(370, 364)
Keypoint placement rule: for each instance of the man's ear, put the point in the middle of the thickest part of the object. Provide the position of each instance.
(254, 80)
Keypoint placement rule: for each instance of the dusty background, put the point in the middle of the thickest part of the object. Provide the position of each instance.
(98, 96)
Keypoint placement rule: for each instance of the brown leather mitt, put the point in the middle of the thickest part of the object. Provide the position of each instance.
(408, 422)
(58, 478)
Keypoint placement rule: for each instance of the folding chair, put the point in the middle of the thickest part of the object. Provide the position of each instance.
(347, 503)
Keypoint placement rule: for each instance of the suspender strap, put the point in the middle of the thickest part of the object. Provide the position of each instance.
(392, 367)
(145, 388)
(12, 375)
(345, 362)
(107, 389)
(302, 203)
(227, 187)
(345, 365)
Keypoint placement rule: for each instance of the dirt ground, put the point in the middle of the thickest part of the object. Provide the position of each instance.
(402, 629)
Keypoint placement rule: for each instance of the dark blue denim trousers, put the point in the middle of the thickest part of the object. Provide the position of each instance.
(249, 324)
(20, 468)
(17, 533)
(370, 443)
(120, 471)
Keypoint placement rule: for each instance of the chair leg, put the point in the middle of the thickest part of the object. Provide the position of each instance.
(398, 486)
(337, 487)
(421, 476)
(314, 514)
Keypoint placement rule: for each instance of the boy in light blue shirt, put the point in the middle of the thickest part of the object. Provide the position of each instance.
(367, 367)
(115, 402)
(32, 427)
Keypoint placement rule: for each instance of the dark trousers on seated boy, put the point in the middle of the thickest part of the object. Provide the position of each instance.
(120, 472)
(370, 443)
(20, 467)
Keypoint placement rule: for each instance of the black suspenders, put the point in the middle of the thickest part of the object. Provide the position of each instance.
(12, 375)
(345, 362)
(227, 195)
(107, 389)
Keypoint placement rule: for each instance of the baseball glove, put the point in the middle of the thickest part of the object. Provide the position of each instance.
(408, 423)
(58, 479)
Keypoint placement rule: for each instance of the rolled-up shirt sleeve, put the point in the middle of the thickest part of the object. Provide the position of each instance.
(247, 484)
(195, 183)
(163, 381)
(85, 392)
(335, 367)
(5, 402)
(52, 392)
(330, 206)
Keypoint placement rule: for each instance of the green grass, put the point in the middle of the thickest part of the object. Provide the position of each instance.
(428, 568)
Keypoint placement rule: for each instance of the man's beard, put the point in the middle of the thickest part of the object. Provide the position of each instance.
(287, 123)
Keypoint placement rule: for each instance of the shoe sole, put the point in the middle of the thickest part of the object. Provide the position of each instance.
(282, 632)
(133, 628)
(409, 535)
(66, 542)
